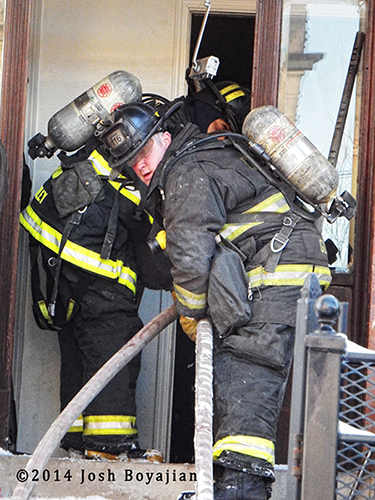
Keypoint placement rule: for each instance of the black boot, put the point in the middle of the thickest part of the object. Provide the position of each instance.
(237, 485)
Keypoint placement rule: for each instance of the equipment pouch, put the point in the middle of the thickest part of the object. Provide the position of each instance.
(76, 188)
(228, 304)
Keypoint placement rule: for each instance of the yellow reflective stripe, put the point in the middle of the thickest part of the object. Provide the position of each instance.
(70, 308)
(101, 165)
(288, 274)
(275, 203)
(56, 173)
(189, 299)
(233, 95)
(77, 425)
(109, 424)
(247, 445)
(41, 231)
(76, 254)
(44, 310)
(102, 168)
(232, 231)
(150, 217)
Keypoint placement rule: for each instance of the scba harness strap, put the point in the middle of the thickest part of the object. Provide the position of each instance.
(66, 304)
(269, 255)
(74, 189)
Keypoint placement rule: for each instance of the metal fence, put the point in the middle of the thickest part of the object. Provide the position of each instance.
(332, 439)
(356, 438)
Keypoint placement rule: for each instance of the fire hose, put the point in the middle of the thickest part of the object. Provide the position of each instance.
(72, 411)
(203, 411)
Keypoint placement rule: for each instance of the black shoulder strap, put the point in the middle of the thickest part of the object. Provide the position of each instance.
(45, 312)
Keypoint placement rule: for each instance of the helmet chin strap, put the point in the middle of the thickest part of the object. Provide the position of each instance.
(114, 173)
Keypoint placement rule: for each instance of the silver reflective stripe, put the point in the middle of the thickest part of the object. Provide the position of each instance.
(189, 299)
(76, 254)
(109, 424)
(288, 274)
(275, 203)
(232, 231)
(247, 445)
(77, 426)
(102, 168)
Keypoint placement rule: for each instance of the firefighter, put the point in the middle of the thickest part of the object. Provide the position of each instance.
(216, 106)
(222, 219)
(92, 236)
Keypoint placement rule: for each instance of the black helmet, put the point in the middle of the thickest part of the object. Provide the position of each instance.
(227, 99)
(237, 101)
(129, 131)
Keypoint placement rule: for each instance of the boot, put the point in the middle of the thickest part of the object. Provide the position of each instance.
(134, 455)
(237, 485)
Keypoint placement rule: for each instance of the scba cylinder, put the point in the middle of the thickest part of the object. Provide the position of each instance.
(69, 128)
(292, 153)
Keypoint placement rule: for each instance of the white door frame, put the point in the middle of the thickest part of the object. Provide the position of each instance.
(184, 10)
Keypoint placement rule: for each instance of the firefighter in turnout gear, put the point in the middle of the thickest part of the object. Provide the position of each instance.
(217, 106)
(240, 254)
(92, 236)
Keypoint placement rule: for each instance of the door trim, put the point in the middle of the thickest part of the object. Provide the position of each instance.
(184, 9)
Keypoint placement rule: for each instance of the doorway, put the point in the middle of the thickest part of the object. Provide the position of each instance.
(231, 39)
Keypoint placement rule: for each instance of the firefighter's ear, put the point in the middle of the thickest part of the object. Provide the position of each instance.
(166, 138)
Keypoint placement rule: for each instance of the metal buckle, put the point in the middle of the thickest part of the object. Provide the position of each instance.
(287, 221)
(279, 239)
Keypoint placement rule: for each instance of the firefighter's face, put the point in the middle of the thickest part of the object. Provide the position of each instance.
(152, 155)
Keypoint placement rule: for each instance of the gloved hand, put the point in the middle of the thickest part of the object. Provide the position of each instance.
(189, 326)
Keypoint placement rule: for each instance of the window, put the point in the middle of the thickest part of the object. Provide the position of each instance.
(316, 48)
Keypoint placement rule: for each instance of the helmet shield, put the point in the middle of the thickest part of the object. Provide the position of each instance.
(132, 127)
(117, 140)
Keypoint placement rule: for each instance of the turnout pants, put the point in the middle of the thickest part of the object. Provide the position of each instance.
(109, 421)
(253, 349)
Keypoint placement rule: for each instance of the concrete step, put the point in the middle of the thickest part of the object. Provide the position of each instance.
(100, 480)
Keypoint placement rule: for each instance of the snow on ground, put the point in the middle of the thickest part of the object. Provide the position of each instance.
(65, 498)
(5, 453)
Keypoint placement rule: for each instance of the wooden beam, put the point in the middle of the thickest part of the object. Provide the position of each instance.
(363, 306)
(266, 53)
(12, 120)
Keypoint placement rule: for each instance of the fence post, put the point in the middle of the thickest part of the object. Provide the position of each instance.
(323, 366)
(306, 322)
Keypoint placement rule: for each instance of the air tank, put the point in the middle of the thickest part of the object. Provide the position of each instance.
(69, 128)
(292, 153)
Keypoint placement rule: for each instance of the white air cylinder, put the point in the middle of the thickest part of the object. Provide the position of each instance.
(292, 153)
(69, 128)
